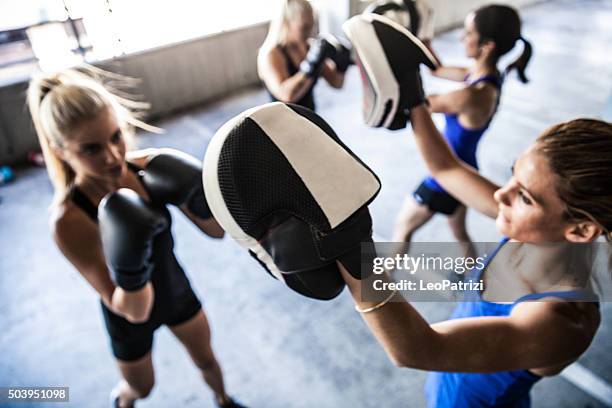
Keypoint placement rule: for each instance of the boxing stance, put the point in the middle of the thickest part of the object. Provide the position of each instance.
(290, 61)
(305, 227)
(490, 32)
(490, 354)
(110, 220)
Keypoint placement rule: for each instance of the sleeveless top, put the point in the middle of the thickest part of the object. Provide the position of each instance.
(464, 142)
(307, 100)
(168, 277)
(500, 389)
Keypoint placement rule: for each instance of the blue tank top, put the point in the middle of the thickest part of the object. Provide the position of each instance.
(464, 142)
(508, 389)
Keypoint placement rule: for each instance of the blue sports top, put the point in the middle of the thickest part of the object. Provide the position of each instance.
(464, 142)
(508, 389)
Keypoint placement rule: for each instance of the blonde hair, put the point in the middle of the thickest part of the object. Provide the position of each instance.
(289, 11)
(60, 101)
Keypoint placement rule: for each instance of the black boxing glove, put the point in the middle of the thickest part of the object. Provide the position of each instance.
(173, 177)
(313, 63)
(341, 55)
(411, 95)
(128, 226)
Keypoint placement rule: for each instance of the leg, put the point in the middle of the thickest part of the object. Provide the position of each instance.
(411, 217)
(138, 380)
(456, 222)
(195, 336)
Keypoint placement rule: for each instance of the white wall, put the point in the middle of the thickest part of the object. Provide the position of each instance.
(448, 13)
(178, 76)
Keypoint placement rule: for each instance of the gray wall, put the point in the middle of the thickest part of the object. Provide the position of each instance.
(173, 78)
(197, 71)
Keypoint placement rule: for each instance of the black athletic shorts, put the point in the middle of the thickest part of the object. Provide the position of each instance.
(131, 341)
(436, 201)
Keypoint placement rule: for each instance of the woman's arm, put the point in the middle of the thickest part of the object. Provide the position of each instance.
(79, 240)
(209, 226)
(452, 102)
(456, 177)
(333, 77)
(272, 69)
(535, 335)
(451, 73)
(479, 101)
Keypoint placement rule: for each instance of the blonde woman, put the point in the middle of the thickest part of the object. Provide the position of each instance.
(109, 219)
(290, 61)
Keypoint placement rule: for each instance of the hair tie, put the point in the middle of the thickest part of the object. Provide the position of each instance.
(48, 86)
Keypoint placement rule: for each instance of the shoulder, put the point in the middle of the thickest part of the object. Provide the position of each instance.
(276, 56)
(580, 319)
(271, 53)
(68, 222)
(482, 93)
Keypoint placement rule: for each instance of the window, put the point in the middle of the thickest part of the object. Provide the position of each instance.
(58, 32)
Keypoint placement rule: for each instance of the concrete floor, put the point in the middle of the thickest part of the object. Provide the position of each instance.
(278, 349)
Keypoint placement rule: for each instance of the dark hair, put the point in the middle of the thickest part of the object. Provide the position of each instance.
(502, 25)
(579, 152)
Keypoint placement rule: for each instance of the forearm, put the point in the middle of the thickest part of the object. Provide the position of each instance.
(429, 46)
(436, 152)
(459, 179)
(333, 77)
(293, 88)
(135, 306)
(209, 226)
(451, 73)
(405, 336)
(439, 104)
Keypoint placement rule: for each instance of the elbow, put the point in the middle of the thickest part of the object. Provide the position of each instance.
(216, 234)
(338, 80)
(286, 97)
(290, 97)
(213, 229)
(339, 83)
(400, 359)
(398, 362)
(416, 361)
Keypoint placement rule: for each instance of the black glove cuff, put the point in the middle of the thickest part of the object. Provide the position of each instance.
(133, 280)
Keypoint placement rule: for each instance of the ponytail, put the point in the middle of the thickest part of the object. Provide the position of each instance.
(60, 173)
(502, 25)
(522, 61)
(60, 101)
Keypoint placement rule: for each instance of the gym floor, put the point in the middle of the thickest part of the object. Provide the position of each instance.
(278, 349)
